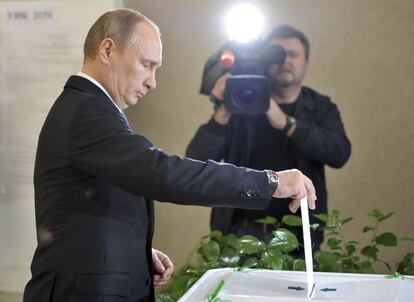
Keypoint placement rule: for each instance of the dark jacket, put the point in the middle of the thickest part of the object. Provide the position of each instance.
(319, 139)
(93, 182)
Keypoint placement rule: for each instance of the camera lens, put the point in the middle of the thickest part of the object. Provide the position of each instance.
(247, 94)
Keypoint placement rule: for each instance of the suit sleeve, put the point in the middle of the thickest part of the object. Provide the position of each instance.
(326, 141)
(102, 144)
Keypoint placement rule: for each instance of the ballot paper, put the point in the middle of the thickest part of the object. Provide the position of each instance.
(308, 247)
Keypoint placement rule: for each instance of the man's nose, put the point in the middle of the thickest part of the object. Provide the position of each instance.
(150, 82)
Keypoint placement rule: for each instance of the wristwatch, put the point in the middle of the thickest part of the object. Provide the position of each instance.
(290, 122)
(272, 178)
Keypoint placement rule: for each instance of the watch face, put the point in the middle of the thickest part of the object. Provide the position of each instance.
(289, 123)
(272, 177)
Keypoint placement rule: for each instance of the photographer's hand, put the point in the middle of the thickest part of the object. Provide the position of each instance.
(221, 115)
(277, 118)
(293, 184)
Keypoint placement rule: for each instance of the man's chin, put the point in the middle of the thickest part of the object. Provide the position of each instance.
(133, 101)
(282, 84)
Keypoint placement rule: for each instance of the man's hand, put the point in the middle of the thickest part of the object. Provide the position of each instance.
(220, 86)
(221, 116)
(277, 118)
(163, 268)
(293, 184)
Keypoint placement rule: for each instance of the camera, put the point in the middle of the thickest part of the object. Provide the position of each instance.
(247, 90)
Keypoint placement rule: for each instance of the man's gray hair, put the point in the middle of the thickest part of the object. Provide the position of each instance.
(119, 25)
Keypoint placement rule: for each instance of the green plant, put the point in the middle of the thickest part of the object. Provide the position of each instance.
(218, 251)
(345, 256)
(406, 265)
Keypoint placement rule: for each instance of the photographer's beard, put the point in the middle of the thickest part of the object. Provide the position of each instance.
(284, 77)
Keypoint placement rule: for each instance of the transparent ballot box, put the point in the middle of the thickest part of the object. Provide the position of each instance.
(270, 286)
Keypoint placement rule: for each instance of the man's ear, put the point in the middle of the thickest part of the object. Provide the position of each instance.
(106, 48)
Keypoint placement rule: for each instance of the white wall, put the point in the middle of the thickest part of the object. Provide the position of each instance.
(36, 57)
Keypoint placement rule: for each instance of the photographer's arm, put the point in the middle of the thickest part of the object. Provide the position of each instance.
(208, 143)
(324, 142)
(210, 139)
(277, 118)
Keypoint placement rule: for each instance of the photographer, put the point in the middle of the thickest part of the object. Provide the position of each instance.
(302, 129)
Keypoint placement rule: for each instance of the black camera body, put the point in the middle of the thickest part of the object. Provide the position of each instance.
(247, 89)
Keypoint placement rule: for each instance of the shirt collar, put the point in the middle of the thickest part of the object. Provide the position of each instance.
(84, 75)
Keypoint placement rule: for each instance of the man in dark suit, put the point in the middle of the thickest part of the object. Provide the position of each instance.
(94, 177)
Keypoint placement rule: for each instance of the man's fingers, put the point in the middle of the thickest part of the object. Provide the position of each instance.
(169, 271)
(158, 265)
(294, 205)
(161, 279)
(167, 263)
(310, 193)
(163, 267)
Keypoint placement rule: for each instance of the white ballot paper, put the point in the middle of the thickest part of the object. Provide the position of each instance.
(308, 247)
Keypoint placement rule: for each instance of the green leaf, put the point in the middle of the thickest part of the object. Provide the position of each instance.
(178, 286)
(315, 226)
(230, 256)
(210, 251)
(164, 297)
(333, 243)
(336, 213)
(287, 262)
(366, 268)
(328, 262)
(343, 221)
(292, 220)
(267, 220)
(386, 239)
(251, 262)
(283, 239)
(299, 265)
(406, 266)
(231, 240)
(272, 259)
(216, 234)
(385, 216)
(331, 227)
(407, 239)
(376, 214)
(250, 245)
(367, 228)
(370, 251)
(194, 272)
(350, 248)
(408, 257)
(322, 217)
(388, 265)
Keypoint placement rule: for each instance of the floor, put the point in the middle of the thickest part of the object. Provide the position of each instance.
(10, 297)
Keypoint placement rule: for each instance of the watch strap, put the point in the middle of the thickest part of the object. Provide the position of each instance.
(272, 179)
(290, 122)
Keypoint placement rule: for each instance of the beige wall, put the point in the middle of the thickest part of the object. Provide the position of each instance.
(361, 55)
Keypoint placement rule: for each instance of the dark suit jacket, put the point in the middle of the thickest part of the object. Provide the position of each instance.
(93, 182)
(319, 140)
